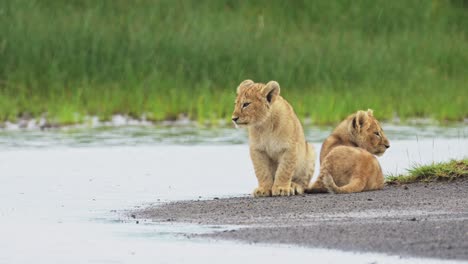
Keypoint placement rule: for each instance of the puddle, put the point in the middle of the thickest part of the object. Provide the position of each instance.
(61, 191)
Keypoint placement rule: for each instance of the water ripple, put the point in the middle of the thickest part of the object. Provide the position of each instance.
(189, 135)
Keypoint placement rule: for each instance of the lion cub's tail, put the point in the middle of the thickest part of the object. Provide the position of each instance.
(329, 183)
(355, 185)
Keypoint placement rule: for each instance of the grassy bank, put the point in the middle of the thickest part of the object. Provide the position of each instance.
(163, 58)
(448, 171)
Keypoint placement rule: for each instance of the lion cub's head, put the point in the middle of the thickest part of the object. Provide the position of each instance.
(253, 102)
(367, 133)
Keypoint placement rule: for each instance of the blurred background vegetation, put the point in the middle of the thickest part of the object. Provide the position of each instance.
(84, 57)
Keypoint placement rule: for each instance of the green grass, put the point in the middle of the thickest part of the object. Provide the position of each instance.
(167, 57)
(448, 171)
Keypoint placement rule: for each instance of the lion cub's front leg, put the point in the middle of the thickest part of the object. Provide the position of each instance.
(284, 173)
(264, 170)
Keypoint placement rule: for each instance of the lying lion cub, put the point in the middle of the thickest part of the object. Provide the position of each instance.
(283, 160)
(347, 162)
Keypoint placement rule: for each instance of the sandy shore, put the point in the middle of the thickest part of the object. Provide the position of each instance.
(426, 220)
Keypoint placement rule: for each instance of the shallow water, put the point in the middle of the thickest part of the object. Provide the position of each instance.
(188, 135)
(62, 192)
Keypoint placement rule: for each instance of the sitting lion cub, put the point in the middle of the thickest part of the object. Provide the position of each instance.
(283, 160)
(347, 162)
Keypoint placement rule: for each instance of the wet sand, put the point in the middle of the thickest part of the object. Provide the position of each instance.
(421, 220)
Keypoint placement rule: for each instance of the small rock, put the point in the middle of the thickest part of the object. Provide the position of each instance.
(133, 216)
(405, 187)
(370, 199)
(137, 222)
(413, 219)
(216, 198)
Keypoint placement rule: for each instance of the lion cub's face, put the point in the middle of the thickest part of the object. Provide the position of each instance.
(253, 102)
(368, 133)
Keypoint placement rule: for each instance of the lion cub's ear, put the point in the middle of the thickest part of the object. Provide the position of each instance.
(271, 91)
(244, 84)
(360, 119)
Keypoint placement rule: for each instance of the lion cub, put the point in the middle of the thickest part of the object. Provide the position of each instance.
(283, 160)
(347, 161)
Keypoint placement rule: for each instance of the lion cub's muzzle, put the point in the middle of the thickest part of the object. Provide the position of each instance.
(235, 121)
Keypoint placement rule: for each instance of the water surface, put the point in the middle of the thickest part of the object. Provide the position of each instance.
(62, 192)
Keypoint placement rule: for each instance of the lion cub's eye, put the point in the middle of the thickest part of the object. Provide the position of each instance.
(245, 105)
(377, 134)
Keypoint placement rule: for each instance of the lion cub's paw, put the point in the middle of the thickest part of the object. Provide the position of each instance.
(297, 189)
(262, 192)
(282, 191)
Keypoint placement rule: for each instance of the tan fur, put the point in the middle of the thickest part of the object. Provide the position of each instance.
(347, 161)
(283, 160)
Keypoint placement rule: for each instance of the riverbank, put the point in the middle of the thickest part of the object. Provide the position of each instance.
(87, 122)
(441, 171)
(420, 219)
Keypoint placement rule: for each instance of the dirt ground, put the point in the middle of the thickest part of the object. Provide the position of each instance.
(425, 220)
